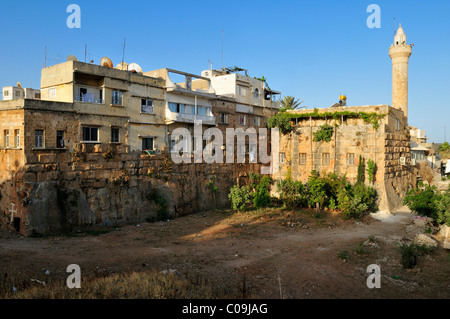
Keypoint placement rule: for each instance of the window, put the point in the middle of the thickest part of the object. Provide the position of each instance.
(302, 158)
(397, 124)
(60, 139)
(83, 93)
(114, 135)
(116, 98)
(350, 159)
(18, 94)
(16, 138)
(52, 92)
(6, 138)
(147, 144)
(325, 158)
(37, 96)
(223, 118)
(6, 93)
(201, 110)
(147, 106)
(241, 90)
(256, 94)
(282, 158)
(39, 138)
(176, 107)
(242, 119)
(257, 121)
(90, 134)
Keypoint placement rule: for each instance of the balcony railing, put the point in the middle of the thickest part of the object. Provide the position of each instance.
(190, 118)
(89, 100)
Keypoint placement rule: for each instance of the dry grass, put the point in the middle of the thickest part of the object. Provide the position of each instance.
(132, 285)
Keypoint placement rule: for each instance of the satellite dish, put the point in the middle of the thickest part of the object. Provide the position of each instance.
(72, 58)
(106, 62)
(135, 68)
(19, 85)
(122, 66)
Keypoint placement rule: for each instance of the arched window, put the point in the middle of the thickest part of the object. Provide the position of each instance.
(256, 94)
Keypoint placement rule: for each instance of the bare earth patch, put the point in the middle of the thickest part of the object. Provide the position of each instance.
(280, 253)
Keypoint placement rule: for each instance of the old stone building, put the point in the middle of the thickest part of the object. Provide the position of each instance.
(379, 133)
(94, 148)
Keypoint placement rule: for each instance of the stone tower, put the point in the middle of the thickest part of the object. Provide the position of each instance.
(400, 53)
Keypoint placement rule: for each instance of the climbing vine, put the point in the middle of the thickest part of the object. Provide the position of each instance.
(324, 134)
(282, 119)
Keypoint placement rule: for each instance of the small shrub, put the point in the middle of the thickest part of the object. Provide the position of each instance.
(361, 171)
(343, 255)
(316, 190)
(410, 253)
(239, 197)
(442, 205)
(360, 249)
(421, 201)
(291, 193)
(262, 195)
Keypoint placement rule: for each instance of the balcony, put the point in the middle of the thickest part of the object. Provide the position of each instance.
(190, 118)
(89, 99)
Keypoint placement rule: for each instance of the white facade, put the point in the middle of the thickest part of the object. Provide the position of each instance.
(14, 93)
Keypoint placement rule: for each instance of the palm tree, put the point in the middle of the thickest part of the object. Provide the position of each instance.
(290, 103)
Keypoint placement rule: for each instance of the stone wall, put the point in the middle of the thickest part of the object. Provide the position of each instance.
(60, 192)
(352, 138)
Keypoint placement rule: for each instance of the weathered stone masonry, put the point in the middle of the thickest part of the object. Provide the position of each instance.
(60, 192)
(353, 137)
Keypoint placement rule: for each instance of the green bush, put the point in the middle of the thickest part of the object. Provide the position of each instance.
(240, 197)
(442, 205)
(344, 255)
(422, 202)
(317, 190)
(410, 253)
(291, 193)
(282, 122)
(356, 200)
(371, 170)
(361, 171)
(262, 195)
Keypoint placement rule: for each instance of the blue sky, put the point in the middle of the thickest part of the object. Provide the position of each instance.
(313, 50)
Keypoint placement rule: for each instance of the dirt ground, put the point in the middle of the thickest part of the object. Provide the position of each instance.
(279, 254)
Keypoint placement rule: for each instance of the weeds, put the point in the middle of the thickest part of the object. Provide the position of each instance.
(410, 254)
(360, 249)
(343, 255)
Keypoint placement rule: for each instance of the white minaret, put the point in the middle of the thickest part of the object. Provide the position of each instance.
(400, 52)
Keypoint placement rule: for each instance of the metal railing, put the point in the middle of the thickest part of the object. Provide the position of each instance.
(89, 100)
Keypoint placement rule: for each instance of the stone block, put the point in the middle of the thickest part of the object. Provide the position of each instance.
(446, 244)
(46, 158)
(29, 177)
(100, 183)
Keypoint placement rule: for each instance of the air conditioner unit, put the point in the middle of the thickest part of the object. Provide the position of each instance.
(413, 161)
(403, 161)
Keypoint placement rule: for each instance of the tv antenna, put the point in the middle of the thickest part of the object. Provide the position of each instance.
(123, 53)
